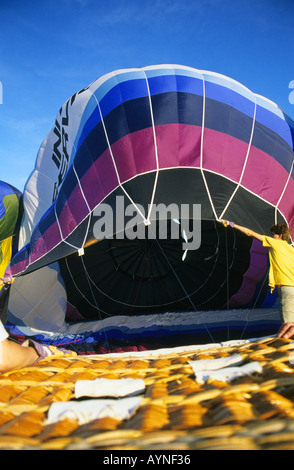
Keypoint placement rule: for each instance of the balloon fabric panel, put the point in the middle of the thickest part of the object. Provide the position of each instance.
(163, 135)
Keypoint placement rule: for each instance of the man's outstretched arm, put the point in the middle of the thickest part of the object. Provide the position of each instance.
(247, 231)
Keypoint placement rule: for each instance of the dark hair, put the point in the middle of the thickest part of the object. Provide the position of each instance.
(281, 229)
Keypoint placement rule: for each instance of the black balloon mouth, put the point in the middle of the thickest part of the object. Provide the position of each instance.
(123, 276)
(147, 258)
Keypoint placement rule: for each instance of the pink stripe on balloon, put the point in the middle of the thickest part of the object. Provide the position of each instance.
(255, 273)
(178, 145)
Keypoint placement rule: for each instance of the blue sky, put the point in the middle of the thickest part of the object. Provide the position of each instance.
(49, 49)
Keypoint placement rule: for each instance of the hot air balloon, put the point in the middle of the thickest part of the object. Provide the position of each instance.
(10, 213)
(164, 147)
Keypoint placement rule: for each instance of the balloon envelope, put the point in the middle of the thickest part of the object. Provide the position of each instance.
(160, 145)
(10, 211)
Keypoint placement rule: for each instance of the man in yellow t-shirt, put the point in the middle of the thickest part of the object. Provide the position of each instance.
(281, 272)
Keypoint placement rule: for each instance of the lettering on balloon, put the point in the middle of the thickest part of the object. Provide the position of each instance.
(60, 155)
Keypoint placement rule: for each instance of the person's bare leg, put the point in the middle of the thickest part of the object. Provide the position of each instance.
(14, 356)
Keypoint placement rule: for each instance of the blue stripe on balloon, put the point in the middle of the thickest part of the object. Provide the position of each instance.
(182, 108)
(124, 91)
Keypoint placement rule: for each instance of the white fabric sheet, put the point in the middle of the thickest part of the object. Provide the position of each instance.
(89, 410)
(109, 387)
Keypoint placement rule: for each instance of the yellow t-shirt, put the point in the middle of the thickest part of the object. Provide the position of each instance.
(5, 255)
(281, 255)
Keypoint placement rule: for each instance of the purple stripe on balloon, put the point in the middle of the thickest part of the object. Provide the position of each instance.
(135, 154)
(45, 243)
(74, 211)
(100, 180)
(223, 154)
(263, 175)
(178, 145)
(255, 273)
(17, 268)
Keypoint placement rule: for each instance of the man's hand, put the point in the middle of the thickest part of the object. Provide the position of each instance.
(227, 223)
(286, 330)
